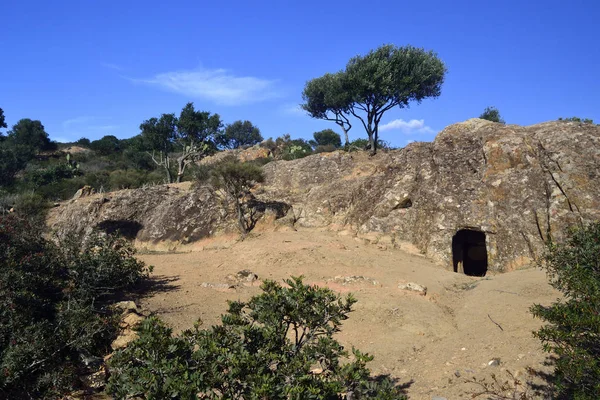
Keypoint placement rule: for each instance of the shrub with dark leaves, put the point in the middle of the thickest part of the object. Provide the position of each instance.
(278, 345)
(573, 329)
(54, 306)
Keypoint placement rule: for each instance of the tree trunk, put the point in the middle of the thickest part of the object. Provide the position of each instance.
(375, 142)
(240, 216)
(169, 178)
(347, 145)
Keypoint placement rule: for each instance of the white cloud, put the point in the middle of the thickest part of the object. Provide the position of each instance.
(77, 121)
(292, 109)
(217, 85)
(87, 126)
(412, 126)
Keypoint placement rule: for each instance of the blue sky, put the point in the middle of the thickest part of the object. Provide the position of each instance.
(91, 68)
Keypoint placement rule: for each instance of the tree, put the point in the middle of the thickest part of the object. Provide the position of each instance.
(492, 114)
(30, 136)
(106, 146)
(265, 348)
(2, 119)
(84, 142)
(572, 332)
(236, 179)
(327, 137)
(385, 78)
(329, 98)
(241, 133)
(158, 135)
(198, 132)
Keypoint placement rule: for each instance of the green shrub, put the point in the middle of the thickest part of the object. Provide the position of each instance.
(54, 306)
(573, 329)
(492, 114)
(267, 347)
(577, 119)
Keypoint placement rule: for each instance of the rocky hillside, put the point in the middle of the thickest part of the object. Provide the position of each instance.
(481, 196)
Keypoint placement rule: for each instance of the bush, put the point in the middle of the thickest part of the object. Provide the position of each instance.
(577, 119)
(267, 347)
(573, 330)
(54, 306)
(492, 114)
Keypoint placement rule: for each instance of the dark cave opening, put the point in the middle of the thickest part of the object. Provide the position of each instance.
(469, 253)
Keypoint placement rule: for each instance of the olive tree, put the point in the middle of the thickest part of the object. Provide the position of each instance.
(236, 179)
(197, 133)
(329, 98)
(158, 135)
(193, 135)
(385, 78)
(241, 133)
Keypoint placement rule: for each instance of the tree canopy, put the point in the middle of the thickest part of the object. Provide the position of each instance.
(192, 135)
(383, 79)
(2, 119)
(492, 114)
(30, 135)
(241, 133)
(327, 137)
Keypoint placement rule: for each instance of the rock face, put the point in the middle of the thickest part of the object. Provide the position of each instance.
(482, 196)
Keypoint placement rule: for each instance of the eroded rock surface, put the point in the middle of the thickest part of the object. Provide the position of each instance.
(514, 186)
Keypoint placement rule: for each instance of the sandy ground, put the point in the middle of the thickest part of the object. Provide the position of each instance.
(432, 344)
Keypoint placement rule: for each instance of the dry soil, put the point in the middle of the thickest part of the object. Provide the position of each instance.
(432, 344)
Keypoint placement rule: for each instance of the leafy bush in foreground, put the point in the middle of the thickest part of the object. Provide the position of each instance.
(54, 306)
(573, 330)
(267, 348)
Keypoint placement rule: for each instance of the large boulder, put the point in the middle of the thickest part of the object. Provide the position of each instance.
(481, 195)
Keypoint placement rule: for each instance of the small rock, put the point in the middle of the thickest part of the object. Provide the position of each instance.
(494, 362)
(126, 337)
(438, 398)
(246, 275)
(126, 306)
(457, 373)
(131, 320)
(413, 287)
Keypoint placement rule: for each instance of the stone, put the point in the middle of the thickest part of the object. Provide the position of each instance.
(125, 337)
(494, 362)
(126, 306)
(131, 320)
(511, 183)
(413, 287)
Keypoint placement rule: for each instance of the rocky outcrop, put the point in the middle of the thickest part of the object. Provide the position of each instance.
(508, 188)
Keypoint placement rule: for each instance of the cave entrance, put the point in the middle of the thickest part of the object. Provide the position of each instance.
(469, 254)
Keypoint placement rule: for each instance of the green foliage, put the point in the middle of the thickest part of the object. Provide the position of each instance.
(573, 329)
(329, 98)
(52, 174)
(240, 133)
(108, 145)
(2, 119)
(264, 348)
(327, 137)
(577, 119)
(54, 306)
(30, 136)
(83, 142)
(236, 179)
(385, 78)
(492, 114)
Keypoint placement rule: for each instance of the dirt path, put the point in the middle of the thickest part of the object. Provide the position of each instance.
(432, 343)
